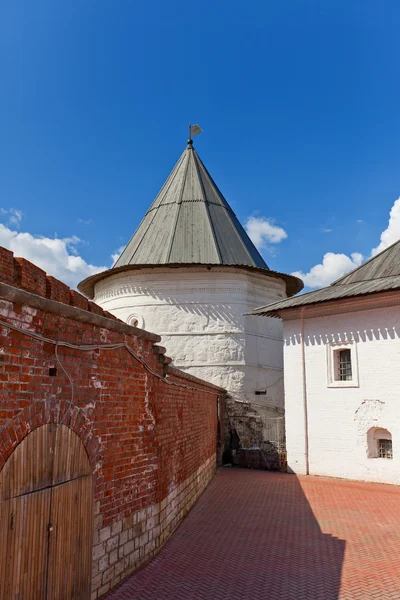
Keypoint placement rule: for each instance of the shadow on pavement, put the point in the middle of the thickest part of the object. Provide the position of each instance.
(251, 536)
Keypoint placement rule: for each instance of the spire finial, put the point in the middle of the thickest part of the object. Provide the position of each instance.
(193, 130)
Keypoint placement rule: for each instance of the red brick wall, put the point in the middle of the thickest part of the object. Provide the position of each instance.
(143, 435)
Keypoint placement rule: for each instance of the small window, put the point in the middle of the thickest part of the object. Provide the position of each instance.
(379, 443)
(385, 448)
(344, 372)
(342, 365)
(135, 320)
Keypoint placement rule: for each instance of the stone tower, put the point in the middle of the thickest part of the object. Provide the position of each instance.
(190, 273)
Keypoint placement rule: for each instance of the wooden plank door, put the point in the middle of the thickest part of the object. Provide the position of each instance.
(70, 541)
(24, 546)
(46, 518)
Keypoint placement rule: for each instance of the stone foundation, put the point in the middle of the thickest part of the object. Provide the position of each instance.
(125, 545)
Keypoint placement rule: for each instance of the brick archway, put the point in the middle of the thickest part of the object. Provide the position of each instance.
(43, 413)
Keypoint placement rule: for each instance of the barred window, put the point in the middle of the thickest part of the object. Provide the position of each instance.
(385, 448)
(342, 364)
(344, 372)
(379, 443)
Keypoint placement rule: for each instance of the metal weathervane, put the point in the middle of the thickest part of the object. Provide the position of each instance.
(194, 130)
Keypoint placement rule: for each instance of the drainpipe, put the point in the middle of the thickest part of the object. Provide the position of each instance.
(305, 404)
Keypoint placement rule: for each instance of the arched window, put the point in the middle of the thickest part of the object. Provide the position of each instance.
(379, 442)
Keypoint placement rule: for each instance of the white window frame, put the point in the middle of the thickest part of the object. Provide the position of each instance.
(332, 349)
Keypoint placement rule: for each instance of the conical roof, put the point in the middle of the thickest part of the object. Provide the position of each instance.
(190, 222)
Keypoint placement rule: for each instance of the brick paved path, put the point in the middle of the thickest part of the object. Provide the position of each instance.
(255, 535)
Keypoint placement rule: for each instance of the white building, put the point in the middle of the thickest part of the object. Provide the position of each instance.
(342, 373)
(189, 273)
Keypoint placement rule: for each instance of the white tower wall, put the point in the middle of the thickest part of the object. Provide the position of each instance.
(199, 312)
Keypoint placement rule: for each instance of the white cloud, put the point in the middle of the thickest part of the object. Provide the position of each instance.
(325, 230)
(59, 257)
(117, 254)
(332, 267)
(13, 215)
(262, 232)
(392, 232)
(85, 221)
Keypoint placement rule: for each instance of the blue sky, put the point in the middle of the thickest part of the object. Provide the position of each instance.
(299, 102)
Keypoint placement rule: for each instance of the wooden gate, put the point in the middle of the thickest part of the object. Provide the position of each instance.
(46, 518)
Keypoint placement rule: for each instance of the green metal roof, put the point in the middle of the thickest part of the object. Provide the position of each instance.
(190, 222)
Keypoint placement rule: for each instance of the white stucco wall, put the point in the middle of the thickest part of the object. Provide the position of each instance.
(199, 314)
(340, 417)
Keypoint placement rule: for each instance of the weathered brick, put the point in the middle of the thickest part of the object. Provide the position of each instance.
(129, 547)
(108, 575)
(6, 266)
(98, 551)
(103, 563)
(98, 521)
(133, 425)
(95, 308)
(104, 589)
(134, 558)
(96, 581)
(57, 290)
(116, 528)
(104, 534)
(29, 277)
(119, 567)
(112, 543)
(123, 538)
(76, 299)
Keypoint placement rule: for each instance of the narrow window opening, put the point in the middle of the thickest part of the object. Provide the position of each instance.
(52, 371)
(343, 365)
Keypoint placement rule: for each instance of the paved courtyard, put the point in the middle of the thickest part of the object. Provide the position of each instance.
(255, 535)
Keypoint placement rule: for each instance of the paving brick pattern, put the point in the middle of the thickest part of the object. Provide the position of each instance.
(255, 535)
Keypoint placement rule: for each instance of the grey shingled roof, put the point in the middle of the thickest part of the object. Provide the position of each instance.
(379, 274)
(190, 222)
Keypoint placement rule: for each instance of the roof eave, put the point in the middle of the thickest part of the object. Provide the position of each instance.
(264, 311)
(293, 284)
